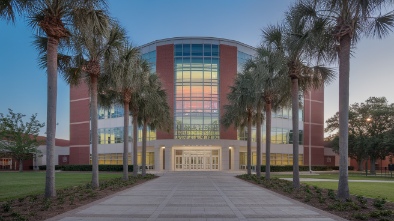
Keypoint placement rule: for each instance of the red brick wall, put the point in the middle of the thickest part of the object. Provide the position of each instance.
(317, 127)
(165, 70)
(79, 124)
(227, 73)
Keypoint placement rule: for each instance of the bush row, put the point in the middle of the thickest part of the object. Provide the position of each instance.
(286, 168)
(302, 168)
(88, 167)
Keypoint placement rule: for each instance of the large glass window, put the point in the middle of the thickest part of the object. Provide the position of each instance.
(150, 57)
(196, 91)
(115, 135)
(241, 60)
(114, 111)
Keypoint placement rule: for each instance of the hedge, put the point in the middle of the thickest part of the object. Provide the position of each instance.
(286, 168)
(289, 168)
(88, 167)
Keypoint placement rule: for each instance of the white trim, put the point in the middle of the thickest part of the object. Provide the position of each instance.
(313, 123)
(82, 99)
(317, 101)
(82, 122)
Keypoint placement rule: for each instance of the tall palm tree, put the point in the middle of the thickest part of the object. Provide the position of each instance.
(241, 109)
(142, 71)
(92, 55)
(8, 8)
(349, 21)
(154, 111)
(301, 45)
(122, 80)
(272, 88)
(55, 20)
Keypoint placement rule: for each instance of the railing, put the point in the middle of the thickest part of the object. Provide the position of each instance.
(380, 171)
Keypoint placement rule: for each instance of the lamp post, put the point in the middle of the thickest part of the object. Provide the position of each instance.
(310, 128)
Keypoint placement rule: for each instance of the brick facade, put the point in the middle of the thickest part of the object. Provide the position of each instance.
(316, 118)
(227, 73)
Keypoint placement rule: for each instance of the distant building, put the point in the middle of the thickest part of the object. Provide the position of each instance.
(62, 154)
(196, 73)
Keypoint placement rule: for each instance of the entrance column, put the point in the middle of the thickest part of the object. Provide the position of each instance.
(168, 158)
(236, 157)
(225, 156)
(158, 157)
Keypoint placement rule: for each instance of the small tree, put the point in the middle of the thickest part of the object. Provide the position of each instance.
(19, 139)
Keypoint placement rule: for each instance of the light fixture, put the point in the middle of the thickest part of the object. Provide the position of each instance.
(229, 147)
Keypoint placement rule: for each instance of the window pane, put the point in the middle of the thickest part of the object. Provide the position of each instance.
(207, 50)
(178, 50)
(197, 50)
(186, 50)
(215, 50)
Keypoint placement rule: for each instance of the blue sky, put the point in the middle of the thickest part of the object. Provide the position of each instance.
(23, 84)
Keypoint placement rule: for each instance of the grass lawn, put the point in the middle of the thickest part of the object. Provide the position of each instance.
(14, 184)
(335, 176)
(371, 190)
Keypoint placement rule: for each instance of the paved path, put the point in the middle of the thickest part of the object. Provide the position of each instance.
(196, 196)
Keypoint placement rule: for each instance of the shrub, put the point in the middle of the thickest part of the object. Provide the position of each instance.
(288, 168)
(88, 168)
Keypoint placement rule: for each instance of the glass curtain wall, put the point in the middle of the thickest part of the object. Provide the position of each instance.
(196, 91)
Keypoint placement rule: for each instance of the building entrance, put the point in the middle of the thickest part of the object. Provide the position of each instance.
(188, 160)
(5, 163)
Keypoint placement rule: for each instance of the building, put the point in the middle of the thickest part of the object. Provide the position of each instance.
(197, 73)
(61, 152)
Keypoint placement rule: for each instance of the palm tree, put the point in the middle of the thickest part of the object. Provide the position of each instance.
(300, 45)
(122, 80)
(349, 20)
(241, 109)
(55, 19)
(8, 8)
(142, 71)
(272, 88)
(154, 111)
(93, 54)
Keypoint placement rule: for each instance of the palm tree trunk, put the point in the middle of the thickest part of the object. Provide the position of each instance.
(258, 142)
(294, 106)
(52, 45)
(126, 140)
(344, 69)
(20, 165)
(135, 142)
(93, 120)
(144, 129)
(268, 142)
(249, 145)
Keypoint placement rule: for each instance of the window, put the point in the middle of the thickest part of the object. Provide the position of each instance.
(196, 91)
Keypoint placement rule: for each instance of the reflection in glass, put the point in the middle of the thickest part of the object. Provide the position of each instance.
(196, 91)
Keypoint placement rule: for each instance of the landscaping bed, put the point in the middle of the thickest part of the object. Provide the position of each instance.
(37, 207)
(355, 208)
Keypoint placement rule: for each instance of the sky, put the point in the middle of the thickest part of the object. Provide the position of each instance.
(23, 84)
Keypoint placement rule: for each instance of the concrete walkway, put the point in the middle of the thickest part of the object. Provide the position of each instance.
(196, 196)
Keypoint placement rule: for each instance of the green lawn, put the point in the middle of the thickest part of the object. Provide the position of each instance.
(14, 184)
(335, 176)
(371, 190)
